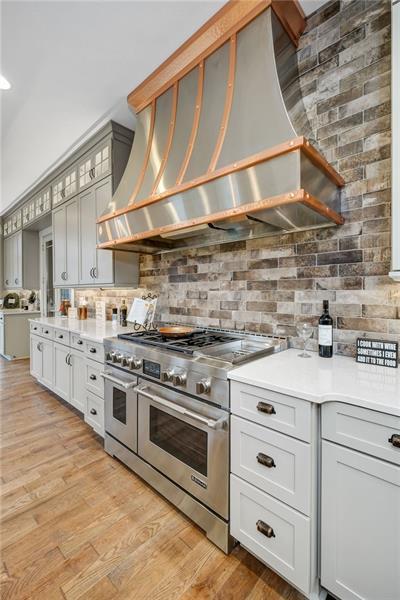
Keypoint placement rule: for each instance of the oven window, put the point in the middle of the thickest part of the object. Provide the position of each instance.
(119, 405)
(187, 443)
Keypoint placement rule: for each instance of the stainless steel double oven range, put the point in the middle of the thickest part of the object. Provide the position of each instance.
(167, 416)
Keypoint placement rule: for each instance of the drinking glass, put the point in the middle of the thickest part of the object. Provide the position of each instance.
(305, 331)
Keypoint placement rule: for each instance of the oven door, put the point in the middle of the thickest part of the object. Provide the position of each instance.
(120, 403)
(188, 441)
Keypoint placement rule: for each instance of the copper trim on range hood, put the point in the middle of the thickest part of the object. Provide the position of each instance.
(215, 144)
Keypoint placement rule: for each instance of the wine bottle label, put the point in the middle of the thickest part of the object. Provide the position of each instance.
(325, 335)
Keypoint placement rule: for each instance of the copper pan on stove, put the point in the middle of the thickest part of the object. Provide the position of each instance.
(176, 331)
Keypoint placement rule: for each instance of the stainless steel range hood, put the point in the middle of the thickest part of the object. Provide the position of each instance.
(216, 155)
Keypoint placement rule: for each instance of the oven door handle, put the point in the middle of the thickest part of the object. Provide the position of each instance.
(211, 423)
(123, 384)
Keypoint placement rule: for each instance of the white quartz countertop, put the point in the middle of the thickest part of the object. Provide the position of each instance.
(18, 311)
(89, 328)
(319, 380)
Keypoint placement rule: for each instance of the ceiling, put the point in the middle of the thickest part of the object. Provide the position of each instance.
(72, 64)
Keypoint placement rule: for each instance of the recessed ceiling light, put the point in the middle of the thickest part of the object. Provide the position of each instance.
(4, 83)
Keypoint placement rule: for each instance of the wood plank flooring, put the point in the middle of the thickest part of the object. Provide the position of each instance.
(75, 523)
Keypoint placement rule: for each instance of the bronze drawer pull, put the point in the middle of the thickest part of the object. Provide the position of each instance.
(93, 377)
(266, 408)
(79, 342)
(395, 440)
(265, 529)
(92, 350)
(93, 411)
(265, 460)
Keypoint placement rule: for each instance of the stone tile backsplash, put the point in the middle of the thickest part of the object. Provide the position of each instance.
(344, 61)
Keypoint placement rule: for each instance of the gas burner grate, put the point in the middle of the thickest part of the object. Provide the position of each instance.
(187, 345)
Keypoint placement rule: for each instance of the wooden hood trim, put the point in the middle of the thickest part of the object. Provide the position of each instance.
(230, 19)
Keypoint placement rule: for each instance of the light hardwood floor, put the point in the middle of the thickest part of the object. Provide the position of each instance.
(77, 524)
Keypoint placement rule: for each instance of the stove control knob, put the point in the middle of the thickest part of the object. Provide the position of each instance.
(109, 355)
(118, 358)
(112, 356)
(125, 361)
(179, 379)
(134, 363)
(203, 386)
(167, 375)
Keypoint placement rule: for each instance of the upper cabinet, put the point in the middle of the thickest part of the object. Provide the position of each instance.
(95, 165)
(21, 261)
(75, 195)
(65, 186)
(395, 273)
(100, 267)
(66, 244)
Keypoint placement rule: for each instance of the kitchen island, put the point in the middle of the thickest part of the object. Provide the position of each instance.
(67, 357)
(315, 472)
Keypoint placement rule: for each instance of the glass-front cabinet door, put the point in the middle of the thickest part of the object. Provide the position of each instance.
(28, 212)
(43, 203)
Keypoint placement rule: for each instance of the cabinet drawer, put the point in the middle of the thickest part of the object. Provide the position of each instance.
(94, 413)
(275, 463)
(47, 331)
(287, 551)
(362, 429)
(94, 350)
(76, 341)
(35, 328)
(284, 413)
(93, 379)
(61, 336)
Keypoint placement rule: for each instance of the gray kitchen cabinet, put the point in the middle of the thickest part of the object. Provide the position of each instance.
(65, 244)
(95, 165)
(28, 212)
(77, 379)
(360, 503)
(41, 360)
(21, 260)
(65, 186)
(62, 376)
(101, 267)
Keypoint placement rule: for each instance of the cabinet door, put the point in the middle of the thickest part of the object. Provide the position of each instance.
(77, 395)
(8, 262)
(72, 235)
(47, 363)
(62, 368)
(35, 357)
(17, 262)
(104, 272)
(360, 548)
(59, 245)
(87, 236)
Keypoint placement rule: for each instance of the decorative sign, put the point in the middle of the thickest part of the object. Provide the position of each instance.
(72, 313)
(100, 311)
(377, 352)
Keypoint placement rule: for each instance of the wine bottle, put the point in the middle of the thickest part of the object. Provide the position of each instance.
(325, 332)
(123, 312)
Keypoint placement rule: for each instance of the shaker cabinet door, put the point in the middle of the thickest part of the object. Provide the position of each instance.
(47, 363)
(78, 371)
(360, 548)
(59, 246)
(62, 368)
(35, 357)
(104, 272)
(87, 236)
(72, 251)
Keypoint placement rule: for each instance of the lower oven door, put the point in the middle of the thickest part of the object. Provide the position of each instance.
(120, 406)
(188, 441)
